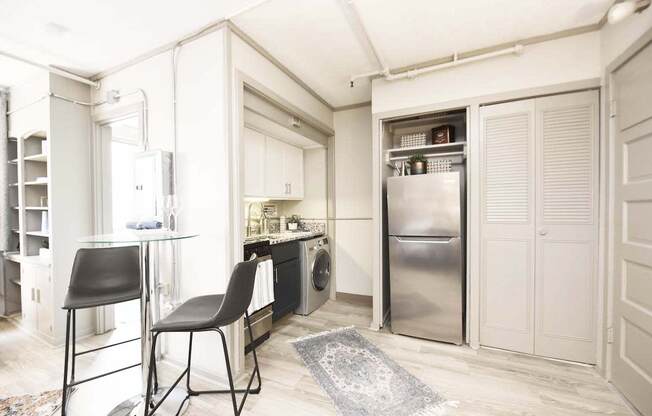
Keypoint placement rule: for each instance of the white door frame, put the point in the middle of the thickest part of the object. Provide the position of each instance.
(105, 317)
(240, 82)
(607, 265)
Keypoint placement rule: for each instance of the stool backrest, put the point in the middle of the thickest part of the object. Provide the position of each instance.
(238, 293)
(106, 270)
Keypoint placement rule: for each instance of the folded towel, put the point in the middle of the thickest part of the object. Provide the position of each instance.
(144, 225)
(263, 287)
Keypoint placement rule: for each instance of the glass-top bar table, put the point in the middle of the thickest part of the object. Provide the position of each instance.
(149, 310)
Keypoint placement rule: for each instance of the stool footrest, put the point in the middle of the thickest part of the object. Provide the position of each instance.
(167, 393)
(106, 346)
(76, 383)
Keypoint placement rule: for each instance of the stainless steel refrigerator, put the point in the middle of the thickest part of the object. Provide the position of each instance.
(426, 269)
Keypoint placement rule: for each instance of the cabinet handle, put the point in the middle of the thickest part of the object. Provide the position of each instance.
(38, 295)
(276, 276)
(33, 295)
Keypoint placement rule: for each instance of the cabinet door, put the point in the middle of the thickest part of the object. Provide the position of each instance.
(44, 309)
(508, 246)
(254, 163)
(293, 164)
(275, 183)
(566, 229)
(28, 296)
(286, 288)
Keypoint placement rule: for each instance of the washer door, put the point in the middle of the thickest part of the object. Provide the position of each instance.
(321, 270)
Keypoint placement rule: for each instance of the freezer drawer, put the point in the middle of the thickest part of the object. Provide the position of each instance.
(426, 287)
(424, 205)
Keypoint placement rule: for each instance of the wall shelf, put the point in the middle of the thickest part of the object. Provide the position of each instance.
(41, 157)
(429, 151)
(36, 183)
(42, 234)
(13, 256)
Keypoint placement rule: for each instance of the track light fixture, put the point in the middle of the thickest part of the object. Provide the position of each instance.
(620, 11)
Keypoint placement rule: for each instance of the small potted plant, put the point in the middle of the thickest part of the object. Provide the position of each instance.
(293, 223)
(418, 164)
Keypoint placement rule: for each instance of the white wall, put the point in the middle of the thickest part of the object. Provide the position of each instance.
(253, 64)
(203, 166)
(353, 227)
(563, 60)
(614, 39)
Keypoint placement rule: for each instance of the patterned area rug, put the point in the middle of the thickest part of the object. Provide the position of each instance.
(43, 404)
(362, 381)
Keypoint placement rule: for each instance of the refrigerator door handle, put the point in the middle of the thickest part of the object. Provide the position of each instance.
(431, 240)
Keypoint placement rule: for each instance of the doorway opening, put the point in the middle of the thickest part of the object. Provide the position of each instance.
(118, 142)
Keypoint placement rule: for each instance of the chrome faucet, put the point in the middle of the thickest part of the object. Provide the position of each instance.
(262, 220)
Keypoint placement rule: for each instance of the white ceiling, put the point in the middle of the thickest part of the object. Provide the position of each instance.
(314, 39)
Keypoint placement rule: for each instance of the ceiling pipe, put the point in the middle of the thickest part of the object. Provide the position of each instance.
(53, 70)
(354, 18)
(413, 73)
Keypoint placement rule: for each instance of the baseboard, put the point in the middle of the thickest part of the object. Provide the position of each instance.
(355, 298)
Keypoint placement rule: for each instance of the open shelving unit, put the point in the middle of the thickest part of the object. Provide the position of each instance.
(423, 124)
(49, 157)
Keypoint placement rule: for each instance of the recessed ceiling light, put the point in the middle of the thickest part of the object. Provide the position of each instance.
(55, 29)
(620, 11)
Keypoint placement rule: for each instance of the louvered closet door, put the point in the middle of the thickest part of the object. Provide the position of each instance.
(507, 258)
(566, 229)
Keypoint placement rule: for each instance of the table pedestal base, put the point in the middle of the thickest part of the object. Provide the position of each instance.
(174, 404)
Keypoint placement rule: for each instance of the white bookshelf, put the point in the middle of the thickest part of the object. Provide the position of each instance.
(51, 160)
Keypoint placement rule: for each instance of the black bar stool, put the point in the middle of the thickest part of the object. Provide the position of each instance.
(100, 276)
(209, 313)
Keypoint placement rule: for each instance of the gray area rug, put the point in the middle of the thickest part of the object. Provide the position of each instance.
(43, 404)
(363, 381)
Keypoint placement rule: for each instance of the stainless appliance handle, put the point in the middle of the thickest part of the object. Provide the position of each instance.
(434, 240)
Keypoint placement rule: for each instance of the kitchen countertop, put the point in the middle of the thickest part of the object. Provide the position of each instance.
(278, 238)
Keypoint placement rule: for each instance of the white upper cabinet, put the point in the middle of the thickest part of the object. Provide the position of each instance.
(254, 163)
(272, 169)
(275, 183)
(293, 170)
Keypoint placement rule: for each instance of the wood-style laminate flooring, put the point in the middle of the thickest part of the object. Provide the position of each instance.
(484, 382)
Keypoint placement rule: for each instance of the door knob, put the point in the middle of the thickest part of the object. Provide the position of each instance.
(543, 231)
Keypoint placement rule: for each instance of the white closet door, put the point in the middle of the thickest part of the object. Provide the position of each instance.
(254, 163)
(566, 228)
(507, 268)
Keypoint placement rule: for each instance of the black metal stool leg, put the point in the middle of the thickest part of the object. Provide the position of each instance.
(228, 372)
(74, 339)
(190, 391)
(150, 374)
(253, 351)
(64, 391)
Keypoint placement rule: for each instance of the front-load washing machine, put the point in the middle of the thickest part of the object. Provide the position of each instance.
(315, 274)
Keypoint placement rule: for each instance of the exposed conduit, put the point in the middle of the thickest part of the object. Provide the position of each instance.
(53, 95)
(384, 71)
(176, 50)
